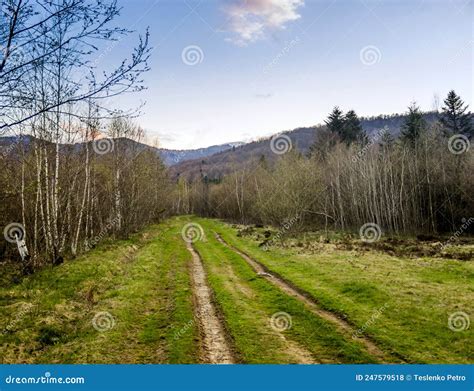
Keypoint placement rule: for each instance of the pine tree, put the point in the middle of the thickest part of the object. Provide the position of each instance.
(352, 129)
(324, 142)
(414, 125)
(454, 118)
(335, 122)
(386, 140)
(327, 138)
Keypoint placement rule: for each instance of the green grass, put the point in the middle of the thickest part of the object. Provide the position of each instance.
(248, 303)
(402, 303)
(142, 283)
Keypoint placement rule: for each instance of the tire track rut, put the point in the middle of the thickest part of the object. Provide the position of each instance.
(216, 349)
(347, 329)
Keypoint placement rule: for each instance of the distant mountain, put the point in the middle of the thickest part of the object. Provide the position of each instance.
(222, 163)
(169, 156)
(218, 160)
(172, 156)
(392, 121)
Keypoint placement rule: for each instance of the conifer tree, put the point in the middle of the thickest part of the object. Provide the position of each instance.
(352, 130)
(386, 140)
(335, 122)
(455, 118)
(327, 138)
(413, 126)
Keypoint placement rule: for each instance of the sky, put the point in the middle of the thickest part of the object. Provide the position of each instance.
(236, 70)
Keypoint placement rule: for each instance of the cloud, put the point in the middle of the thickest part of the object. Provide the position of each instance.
(250, 19)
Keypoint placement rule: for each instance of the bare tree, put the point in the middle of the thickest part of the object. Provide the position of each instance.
(63, 34)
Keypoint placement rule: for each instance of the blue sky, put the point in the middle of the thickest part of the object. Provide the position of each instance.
(237, 70)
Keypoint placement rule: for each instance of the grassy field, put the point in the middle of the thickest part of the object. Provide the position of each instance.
(403, 303)
(134, 301)
(248, 303)
(137, 291)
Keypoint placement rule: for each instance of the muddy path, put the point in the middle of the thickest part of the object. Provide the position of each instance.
(234, 284)
(344, 327)
(215, 348)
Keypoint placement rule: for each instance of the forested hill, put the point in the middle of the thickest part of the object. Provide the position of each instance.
(169, 156)
(217, 160)
(219, 164)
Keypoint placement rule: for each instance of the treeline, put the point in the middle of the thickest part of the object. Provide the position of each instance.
(78, 177)
(108, 187)
(420, 182)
